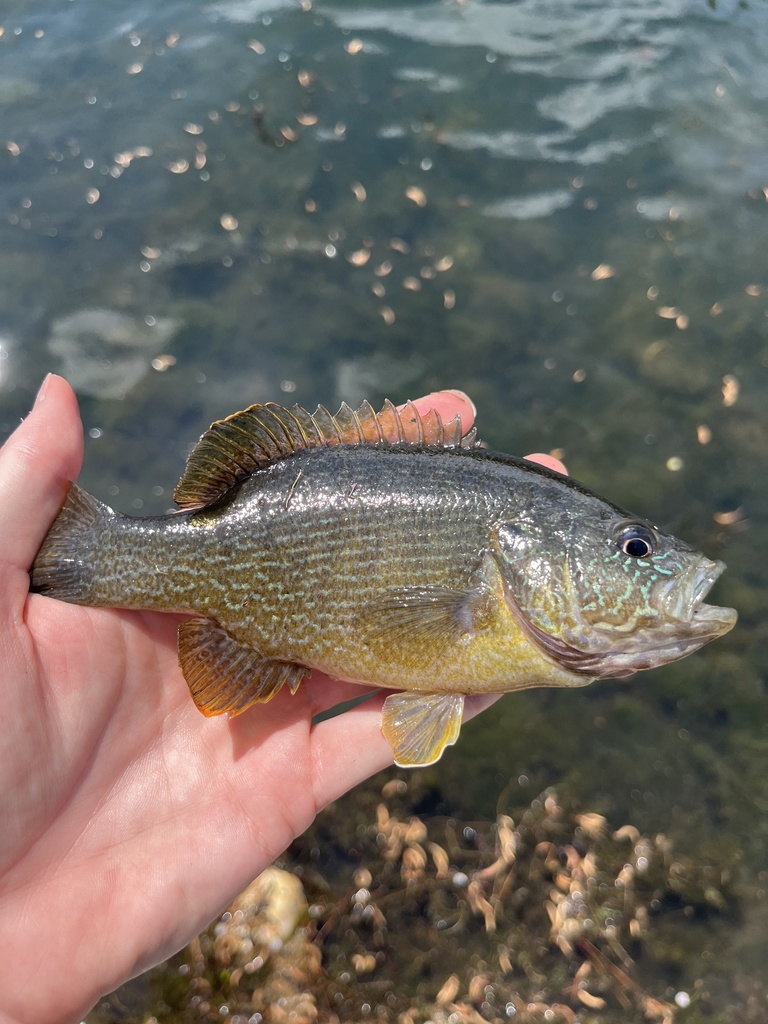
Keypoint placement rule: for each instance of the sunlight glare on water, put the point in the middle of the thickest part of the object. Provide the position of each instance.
(560, 206)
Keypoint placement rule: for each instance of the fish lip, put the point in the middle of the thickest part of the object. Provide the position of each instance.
(706, 574)
(684, 601)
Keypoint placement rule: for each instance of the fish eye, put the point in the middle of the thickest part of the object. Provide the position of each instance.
(637, 541)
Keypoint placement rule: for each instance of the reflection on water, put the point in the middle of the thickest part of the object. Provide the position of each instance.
(541, 204)
(106, 353)
(558, 205)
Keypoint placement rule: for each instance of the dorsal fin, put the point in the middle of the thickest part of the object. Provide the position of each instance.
(233, 448)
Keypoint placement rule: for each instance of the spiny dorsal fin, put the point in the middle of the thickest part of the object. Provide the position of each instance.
(233, 448)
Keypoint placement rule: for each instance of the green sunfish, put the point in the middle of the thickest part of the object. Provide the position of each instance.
(385, 549)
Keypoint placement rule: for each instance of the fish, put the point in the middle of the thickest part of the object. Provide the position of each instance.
(386, 549)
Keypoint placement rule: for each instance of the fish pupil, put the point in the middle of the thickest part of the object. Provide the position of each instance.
(637, 542)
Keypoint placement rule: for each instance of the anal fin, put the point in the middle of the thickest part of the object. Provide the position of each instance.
(225, 675)
(419, 726)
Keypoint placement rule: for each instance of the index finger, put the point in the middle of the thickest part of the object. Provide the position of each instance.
(549, 461)
(449, 404)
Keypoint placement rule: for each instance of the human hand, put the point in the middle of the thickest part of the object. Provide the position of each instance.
(128, 819)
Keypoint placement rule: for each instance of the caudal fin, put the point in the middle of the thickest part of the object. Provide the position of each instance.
(64, 564)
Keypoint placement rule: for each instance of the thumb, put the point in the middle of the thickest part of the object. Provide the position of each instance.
(37, 463)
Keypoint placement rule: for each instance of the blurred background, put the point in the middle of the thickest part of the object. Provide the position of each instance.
(560, 206)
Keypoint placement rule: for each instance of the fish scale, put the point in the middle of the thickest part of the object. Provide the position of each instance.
(383, 549)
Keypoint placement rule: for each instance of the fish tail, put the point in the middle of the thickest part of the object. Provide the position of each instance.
(64, 565)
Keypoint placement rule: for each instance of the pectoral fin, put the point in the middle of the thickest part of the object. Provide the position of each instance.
(419, 726)
(226, 675)
(418, 625)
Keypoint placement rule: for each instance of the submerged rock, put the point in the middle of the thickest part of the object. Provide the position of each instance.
(261, 939)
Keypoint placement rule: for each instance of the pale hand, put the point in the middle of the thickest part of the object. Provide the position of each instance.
(127, 819)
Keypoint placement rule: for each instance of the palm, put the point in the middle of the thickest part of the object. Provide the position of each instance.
(125, 812)
(128, 819)
(137, 796)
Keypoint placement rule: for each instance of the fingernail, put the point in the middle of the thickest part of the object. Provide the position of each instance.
(464, 397)
(43, 388)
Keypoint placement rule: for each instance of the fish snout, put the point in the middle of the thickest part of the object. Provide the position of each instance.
(684, 599)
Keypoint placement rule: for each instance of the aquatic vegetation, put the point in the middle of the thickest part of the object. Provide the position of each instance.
(380, 914)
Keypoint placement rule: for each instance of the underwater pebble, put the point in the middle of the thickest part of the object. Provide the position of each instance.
(603, 272)
(416, 195)
(703, 433)
(731, 388)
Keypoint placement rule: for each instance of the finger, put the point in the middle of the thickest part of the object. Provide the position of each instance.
(323, 692)
(348, 749)
(37, 462)
(549, 461)
(478, 703)
(449, 404)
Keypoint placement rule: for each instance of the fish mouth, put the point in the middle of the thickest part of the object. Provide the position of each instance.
(690, 623)
(684, 601)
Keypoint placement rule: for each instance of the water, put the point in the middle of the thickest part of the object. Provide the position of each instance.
(560, 206)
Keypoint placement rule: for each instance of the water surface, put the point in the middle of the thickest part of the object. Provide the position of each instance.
(560, 206)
